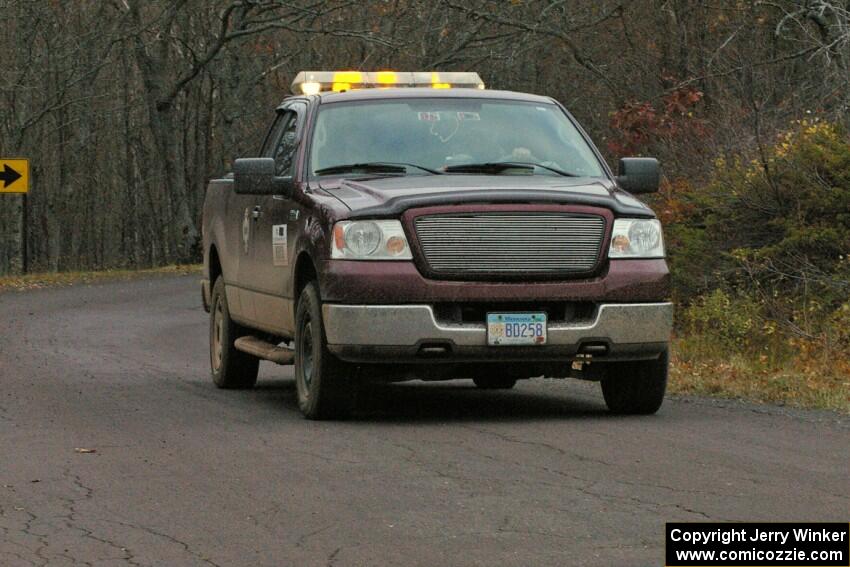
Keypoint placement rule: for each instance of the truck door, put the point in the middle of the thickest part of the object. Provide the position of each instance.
(243, 213)
(276, 218)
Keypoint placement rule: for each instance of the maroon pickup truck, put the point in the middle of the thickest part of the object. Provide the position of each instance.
(415, 225)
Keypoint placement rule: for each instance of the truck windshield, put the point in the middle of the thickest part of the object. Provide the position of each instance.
(447, 134)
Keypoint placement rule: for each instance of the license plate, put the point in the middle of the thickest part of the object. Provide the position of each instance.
(516, 329)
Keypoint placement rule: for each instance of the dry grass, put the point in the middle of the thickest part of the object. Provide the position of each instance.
(773, 377)
(36, 281)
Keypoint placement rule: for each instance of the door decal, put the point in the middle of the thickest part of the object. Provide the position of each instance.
(279, 253)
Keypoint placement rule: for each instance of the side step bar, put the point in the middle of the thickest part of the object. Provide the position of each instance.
(266, 351)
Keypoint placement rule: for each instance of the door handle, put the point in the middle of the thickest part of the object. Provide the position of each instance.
(257, 212)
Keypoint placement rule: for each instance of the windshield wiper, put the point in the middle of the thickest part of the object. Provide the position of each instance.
(500, 166)
(364, 167)
(488, 167)
(548, 167)
(373, 167)
(417, 166)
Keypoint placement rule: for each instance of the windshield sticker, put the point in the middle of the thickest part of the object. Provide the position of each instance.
(429, 116)
(279, 238)
(468, 116)
(445, 130)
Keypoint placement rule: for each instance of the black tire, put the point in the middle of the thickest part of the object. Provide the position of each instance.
(636, 387)
(231, 369)
(325, 386)
(495, 382)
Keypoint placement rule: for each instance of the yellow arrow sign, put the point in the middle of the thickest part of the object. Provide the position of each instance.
(14, 175)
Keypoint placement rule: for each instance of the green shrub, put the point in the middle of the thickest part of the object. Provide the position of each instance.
(774, 232)
(838, 329)
(730, 321)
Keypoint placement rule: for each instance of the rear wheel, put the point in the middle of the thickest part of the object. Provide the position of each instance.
(494, 382)
(323, 382)
(231, 369)
(636, 387)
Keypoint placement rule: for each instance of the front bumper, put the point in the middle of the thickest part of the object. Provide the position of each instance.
(411, 333)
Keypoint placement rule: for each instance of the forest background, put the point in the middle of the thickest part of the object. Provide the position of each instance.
(127, 107)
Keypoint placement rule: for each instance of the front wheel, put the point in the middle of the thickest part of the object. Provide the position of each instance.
(636, 387)
(323, 382)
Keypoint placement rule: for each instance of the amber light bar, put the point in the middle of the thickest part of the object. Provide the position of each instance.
(314, 82)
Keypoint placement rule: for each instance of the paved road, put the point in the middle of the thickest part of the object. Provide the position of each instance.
(430, 474)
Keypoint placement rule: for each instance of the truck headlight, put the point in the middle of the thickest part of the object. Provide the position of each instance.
(636, 238)
(369, 240)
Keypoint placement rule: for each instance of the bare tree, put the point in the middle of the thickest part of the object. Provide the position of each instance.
(127, 107)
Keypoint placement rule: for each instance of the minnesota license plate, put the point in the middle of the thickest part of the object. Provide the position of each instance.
(516, 329)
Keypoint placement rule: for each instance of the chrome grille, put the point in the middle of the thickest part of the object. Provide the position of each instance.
(510, 243)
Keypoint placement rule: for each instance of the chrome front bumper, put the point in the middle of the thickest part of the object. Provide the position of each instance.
(370, 327)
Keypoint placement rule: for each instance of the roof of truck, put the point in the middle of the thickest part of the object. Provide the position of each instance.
(424, 92)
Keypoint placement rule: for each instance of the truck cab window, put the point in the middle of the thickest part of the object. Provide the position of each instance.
(284, 153)
(272, 137)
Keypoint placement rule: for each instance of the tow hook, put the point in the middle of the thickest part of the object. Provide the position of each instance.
(581, 360)
(586, 352)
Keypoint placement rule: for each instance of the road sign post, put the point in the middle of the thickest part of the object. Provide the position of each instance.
(15, 178)
(25, 234)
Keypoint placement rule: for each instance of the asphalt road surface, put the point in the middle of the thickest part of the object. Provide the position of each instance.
(428, 474)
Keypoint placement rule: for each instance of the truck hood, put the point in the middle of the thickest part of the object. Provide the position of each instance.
(376, 197)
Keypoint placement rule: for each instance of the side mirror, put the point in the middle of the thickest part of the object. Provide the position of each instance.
(639, 175)
(256, 176)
